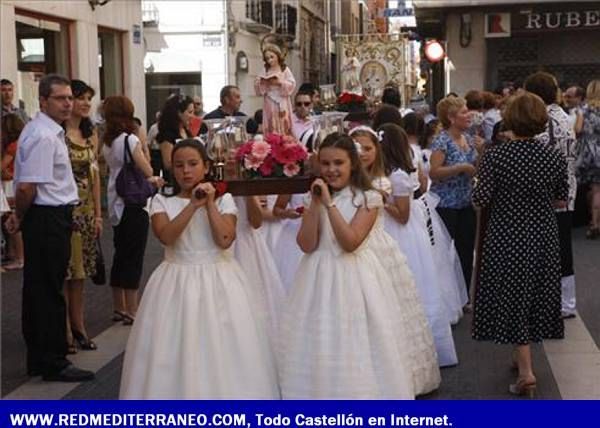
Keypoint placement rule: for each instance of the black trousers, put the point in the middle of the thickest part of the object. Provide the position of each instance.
(461, 224)
(129, 238)
(565, 224)
(47, 242)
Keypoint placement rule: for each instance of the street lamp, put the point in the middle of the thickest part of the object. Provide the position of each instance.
(94, 3)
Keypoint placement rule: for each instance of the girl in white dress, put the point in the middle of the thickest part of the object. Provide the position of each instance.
(287, 253)
(426, 373)
(339, 336)
(405, 222)
(271, 225)
(197, 335)
(256, 259)
(446, 259)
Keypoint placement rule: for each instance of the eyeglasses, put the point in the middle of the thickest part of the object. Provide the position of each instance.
(62, 98)
(305, 104)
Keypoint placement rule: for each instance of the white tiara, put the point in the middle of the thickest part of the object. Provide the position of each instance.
(365, 129)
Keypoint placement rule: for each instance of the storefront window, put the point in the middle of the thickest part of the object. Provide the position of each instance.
(110, 62)
(42, 48)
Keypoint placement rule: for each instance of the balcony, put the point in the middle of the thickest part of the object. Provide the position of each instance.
(150, 14)
(260, 15)
(286, 18)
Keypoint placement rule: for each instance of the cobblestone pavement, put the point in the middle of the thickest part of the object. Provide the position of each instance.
(483, 371)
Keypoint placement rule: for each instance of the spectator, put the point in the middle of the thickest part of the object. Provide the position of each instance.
(198, 106)
(474, 101)
(7, 90)
(155, 155)
(302, 125)
(573, 99)
(560, 136)
(82, 143)
(173, 125)
(517, 301)
(452, 164)
(231, 101)
(589, 158)
(12, 126)
(315, 92)
(129, 222)
(491, 115)
(46, 193)
(391, 95)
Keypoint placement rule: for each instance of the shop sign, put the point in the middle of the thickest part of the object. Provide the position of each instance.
(532, 20)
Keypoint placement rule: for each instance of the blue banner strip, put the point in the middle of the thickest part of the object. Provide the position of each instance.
(258, 414)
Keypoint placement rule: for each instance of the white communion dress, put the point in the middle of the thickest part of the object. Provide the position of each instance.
(414, 242)
(271, 229)
(338, 332)
(287, 253)
(197, 335)
(253, 254)
(414, 329)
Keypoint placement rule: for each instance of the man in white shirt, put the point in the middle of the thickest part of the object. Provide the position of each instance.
(45, 195)
(302, 125)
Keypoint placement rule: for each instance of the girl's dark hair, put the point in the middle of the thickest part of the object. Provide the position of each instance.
(80, 88)
(118, 114)
(169, 121)
(191, 143)
(413, 124)
(387, 114)
(397, 153)
(429, 130)
(358, 177)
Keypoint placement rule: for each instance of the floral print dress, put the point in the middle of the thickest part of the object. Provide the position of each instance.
(83, 251)
(589, 155)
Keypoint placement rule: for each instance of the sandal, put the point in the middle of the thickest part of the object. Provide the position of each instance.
(118, 316)
(84, 342)
(128, 319)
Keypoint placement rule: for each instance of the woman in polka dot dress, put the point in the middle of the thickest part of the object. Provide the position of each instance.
(518, 298)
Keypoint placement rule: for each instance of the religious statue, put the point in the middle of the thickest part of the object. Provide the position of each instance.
(276, 85)
(351, 73)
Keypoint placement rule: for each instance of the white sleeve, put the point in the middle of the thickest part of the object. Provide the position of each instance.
(374, 199)
(158, 204)
(402, 185)
(226, 205)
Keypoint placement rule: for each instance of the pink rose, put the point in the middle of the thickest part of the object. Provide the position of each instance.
(291, 169)
(260, 149)
(250, 162)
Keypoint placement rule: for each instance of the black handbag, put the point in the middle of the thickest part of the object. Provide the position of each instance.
(99, 277)
(131, 185)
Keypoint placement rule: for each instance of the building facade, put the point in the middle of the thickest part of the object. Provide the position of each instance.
(100, 44)
(492, 42)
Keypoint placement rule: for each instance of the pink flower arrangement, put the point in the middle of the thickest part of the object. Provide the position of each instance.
(275, 156)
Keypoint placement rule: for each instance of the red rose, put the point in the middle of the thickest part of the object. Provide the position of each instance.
(300, 210)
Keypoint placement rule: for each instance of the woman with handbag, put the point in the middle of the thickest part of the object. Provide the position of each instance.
(128, 190)
(82, 142)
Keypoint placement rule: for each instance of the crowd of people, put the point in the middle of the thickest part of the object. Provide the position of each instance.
(348, 291)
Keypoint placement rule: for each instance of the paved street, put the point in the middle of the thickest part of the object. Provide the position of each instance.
(565, 369)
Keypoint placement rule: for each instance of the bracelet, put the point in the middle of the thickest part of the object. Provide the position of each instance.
(330, 206)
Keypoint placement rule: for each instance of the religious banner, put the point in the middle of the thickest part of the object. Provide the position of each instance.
(369, 63)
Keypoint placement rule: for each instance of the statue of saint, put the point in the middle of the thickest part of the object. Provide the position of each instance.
(276, 86)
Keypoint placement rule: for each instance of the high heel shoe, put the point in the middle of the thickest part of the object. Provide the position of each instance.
(523, 387)
(83, 341)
